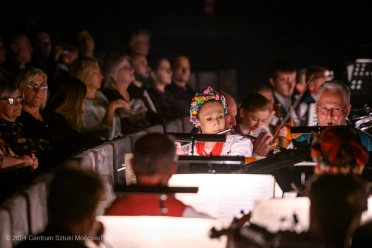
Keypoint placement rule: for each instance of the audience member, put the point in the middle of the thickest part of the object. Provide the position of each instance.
(4, 75)
(73, 203)
(64, 54)
(154, 162)
(179, 87)
(32, 85)
(42, 48)
(19, 53)
(118, 75)
(161, 76)
(315, 75)
(139, 43)
(332, 108)
(100, 113)
(85, 44)
(12, 138)
(138, 88)
(64, 115)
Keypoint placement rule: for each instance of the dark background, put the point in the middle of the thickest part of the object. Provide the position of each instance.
(243, 35)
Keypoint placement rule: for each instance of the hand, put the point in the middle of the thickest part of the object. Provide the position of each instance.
(283, 132)
(120, 103)
(57, 51)
(179, 150)
(263, 144)
(30, 161)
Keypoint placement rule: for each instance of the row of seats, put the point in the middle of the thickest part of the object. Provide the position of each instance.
(26, 212)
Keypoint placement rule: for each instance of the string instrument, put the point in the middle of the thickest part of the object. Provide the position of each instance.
(236, 240)
(287, 122)
(283, 141)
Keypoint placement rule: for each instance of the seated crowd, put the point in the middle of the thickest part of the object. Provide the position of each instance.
(57, 101)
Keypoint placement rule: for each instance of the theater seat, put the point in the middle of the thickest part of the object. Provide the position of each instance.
(17, 207)
(36, 196)
(5, 229)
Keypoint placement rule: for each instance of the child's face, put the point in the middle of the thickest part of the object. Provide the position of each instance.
(254, 120)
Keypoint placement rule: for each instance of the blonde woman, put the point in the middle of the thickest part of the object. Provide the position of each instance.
(100, 113)
(64, 116)
(119, 74)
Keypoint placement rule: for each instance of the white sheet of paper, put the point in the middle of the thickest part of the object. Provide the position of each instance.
(160, 232)
(278, 214)
(224, 196)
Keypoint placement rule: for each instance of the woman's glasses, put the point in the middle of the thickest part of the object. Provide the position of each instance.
(34, 86)
(13, 100)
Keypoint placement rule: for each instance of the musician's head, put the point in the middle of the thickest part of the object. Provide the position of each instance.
(207, 111)
(154, 159)
(282, 77)
(338, 150)
(333, 105)
(232, 110)
(255, 110)
(336, 205)
(316, 75)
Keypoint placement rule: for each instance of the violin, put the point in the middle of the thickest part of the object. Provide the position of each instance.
(236, 240)
(283, 141)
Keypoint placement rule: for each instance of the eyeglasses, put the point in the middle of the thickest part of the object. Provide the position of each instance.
(13, 100)
(334, 111)
(33, 86)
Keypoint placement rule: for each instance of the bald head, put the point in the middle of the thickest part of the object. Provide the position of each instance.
(230, 116)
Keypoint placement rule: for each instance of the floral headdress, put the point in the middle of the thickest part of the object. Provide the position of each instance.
(338, 151)
(203, 96)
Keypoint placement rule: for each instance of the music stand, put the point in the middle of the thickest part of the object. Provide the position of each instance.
(213, 164)
(182, 137)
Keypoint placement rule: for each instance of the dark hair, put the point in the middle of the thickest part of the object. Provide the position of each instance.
(153, 153)
(154, 61)
(6, 89)
(335, 202)
(316, 71)
(74, 193)
(254, 101)
(281, 65)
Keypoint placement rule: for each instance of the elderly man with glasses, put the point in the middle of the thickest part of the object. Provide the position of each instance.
(332, 109)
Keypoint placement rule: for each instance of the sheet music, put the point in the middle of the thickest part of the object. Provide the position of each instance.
(160, 232)
(312, 119)
(278, 214)
(224, 196)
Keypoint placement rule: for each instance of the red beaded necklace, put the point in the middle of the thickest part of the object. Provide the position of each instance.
(216, 150)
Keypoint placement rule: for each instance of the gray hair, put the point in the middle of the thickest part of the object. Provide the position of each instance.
(335, 86)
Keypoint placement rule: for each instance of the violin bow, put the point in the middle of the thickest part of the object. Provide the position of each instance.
(292, 108)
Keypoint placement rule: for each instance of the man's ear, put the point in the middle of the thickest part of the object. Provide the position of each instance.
(173, 168)
(348, 109)
(14, 48)
(272, 82)
(132, 166)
